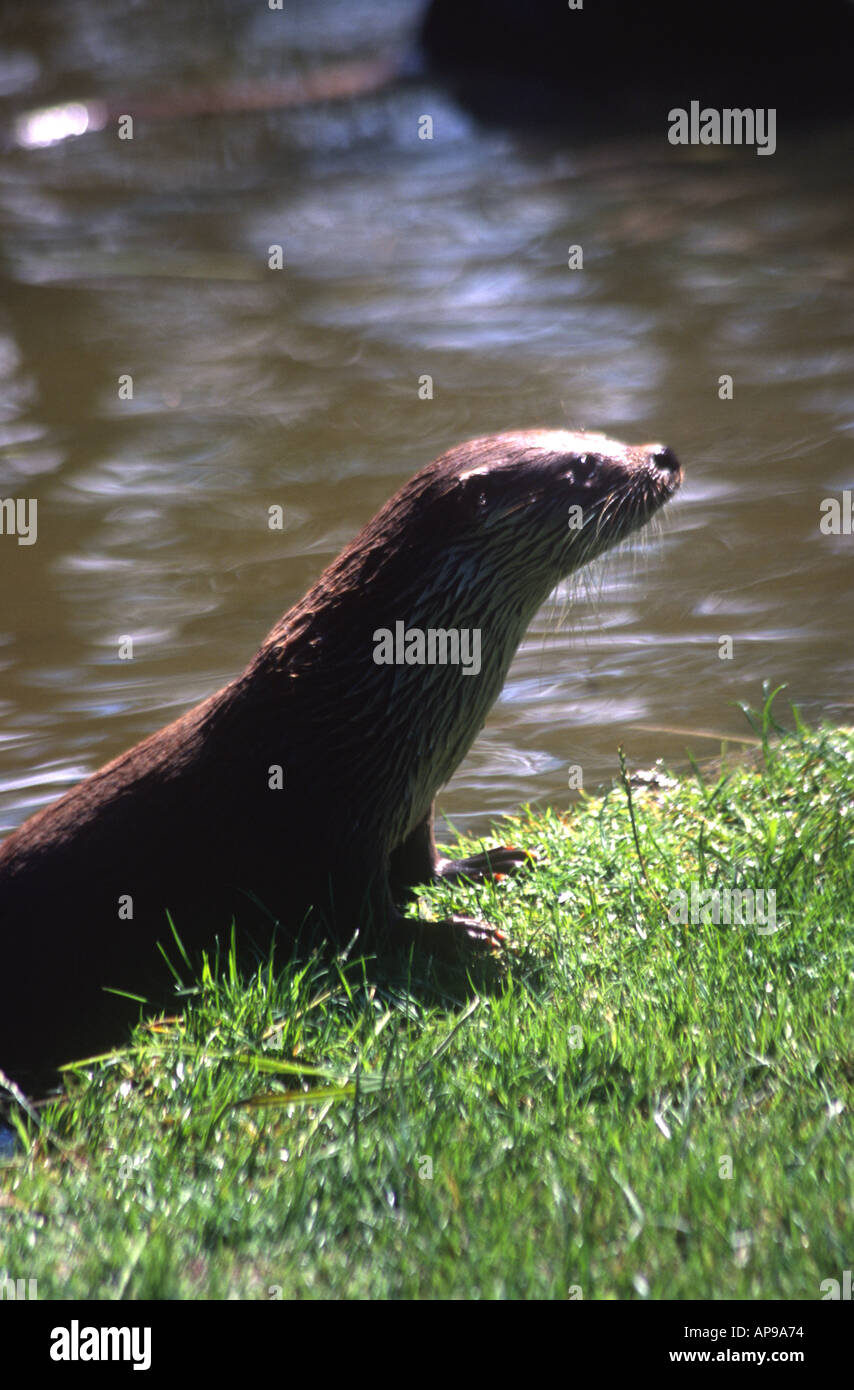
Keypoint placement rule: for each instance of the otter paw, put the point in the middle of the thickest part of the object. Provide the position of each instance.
(454, 938)
(492, 863)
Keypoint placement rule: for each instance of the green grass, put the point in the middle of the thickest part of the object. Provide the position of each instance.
(578, 1111)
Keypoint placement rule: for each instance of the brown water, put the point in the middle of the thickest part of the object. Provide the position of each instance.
(299, 387)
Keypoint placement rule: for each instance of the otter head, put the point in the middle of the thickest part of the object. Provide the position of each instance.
(471, 546)
(516, 513)
(479, 537)
(580, 493)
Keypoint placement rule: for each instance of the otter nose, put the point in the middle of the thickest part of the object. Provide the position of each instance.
(664, 459)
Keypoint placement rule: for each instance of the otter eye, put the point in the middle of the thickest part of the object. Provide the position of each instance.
(587, 465)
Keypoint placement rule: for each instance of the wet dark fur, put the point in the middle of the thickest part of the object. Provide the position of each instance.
(186, 819)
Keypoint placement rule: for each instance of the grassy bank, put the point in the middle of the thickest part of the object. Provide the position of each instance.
(638, 1107)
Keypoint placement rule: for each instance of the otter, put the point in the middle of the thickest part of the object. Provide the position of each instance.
(303, 791)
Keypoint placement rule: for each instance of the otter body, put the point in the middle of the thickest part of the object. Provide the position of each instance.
(192, 821)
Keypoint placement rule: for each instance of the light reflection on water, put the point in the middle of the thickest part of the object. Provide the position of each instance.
(254, 387)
